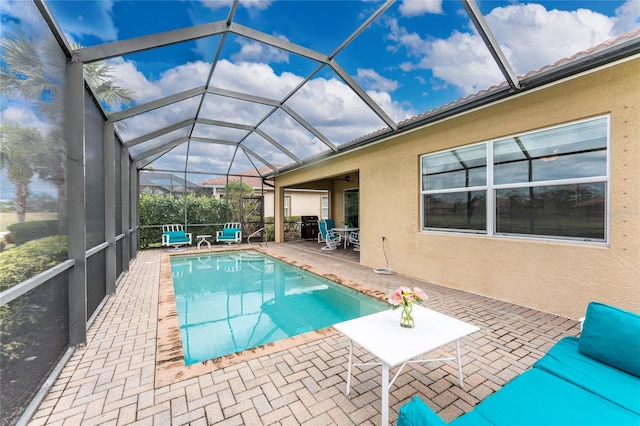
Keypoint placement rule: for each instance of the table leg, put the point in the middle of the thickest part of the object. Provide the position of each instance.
(385, 394)
(349, 367)
(459, 363)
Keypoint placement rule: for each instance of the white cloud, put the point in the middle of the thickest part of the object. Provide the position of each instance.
(252, 51)
(327, 104)
(247, 4)
(256, 78)
(627, 17)
(530, 36)
(420, 7)
(333, 108)
(256, 4)
(174, 80)
(25, 118)
(370, 79)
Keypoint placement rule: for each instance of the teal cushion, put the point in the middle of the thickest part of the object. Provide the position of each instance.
(611, 335)
(417, 413)
(174, 235)
(538, 398)
(565, 361)
(229, 232)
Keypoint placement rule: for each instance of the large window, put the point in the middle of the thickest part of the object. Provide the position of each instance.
(454, 187)
(549, 183)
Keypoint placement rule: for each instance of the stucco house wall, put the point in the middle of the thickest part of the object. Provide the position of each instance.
(555, 276)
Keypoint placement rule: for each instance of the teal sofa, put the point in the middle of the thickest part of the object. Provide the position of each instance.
(591, 380)
(230, 234)
(174, 235)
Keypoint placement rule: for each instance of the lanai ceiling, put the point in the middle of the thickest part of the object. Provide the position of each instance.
(225, 87)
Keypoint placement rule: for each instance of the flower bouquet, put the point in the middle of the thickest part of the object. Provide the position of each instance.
(404, 298)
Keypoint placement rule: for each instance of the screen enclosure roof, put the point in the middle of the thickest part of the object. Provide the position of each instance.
(222, 87)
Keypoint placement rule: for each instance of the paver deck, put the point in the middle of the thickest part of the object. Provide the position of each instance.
(113, 380)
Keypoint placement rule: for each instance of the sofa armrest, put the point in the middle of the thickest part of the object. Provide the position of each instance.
(417, 413)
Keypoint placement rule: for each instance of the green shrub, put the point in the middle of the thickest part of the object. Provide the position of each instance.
(22, 232)
(17, 265)
(29, 259)
(157, 210)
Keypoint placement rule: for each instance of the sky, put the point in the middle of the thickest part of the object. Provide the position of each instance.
(418, 55)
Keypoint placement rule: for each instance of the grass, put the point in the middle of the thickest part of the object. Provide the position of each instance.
(9, 218)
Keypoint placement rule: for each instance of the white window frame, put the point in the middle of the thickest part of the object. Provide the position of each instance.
(324, 216)
(491, 189)
(287, 206)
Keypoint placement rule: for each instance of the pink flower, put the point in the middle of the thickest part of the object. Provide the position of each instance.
(395, 298)
(406, 296)
(419, 294)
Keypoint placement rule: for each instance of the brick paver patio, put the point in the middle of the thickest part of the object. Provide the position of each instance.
(112, 380)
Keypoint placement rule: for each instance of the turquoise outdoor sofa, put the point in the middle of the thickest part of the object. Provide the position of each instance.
(230, 234)
(174, 235)
(591, 380)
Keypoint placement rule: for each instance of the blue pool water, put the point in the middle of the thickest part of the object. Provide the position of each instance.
(229, 302)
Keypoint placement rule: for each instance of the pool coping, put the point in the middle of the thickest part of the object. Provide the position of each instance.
(170, 367)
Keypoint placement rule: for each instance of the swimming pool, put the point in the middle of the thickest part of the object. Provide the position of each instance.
(229, 302)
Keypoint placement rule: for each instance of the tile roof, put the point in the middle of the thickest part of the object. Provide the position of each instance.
(248, 177)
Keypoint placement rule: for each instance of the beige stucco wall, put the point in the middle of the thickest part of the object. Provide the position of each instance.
(306, 203)
(559, 277)
(303, 202)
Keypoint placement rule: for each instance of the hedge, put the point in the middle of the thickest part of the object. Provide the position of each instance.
(23, 232)
(157, 210)
(31, 258)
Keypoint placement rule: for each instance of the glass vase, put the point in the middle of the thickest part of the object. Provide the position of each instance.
(406, 318)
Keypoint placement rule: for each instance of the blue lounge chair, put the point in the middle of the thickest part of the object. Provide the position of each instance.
(174, 235)
(332, 240)
(323, 227)
(231, 234)
(354, 239)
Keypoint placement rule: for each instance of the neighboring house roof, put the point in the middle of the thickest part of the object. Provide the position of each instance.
(248, 177)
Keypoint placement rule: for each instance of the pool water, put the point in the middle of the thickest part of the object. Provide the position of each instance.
(229, 302)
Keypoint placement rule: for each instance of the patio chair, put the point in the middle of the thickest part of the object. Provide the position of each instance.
(332, 241)
(323, 227)
(231, 234)
(354, 239)
(174, 235)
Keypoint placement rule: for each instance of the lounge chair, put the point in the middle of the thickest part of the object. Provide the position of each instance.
(354, 239)
(332, 240)
(231, 234)
(323, 227)
(174, 235)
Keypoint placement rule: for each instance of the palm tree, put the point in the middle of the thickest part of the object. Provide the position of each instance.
(32, 72)
(99, 75)
(18, 152)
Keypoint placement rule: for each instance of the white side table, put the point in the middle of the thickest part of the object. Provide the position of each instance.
(203, 239)
(381, 335)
